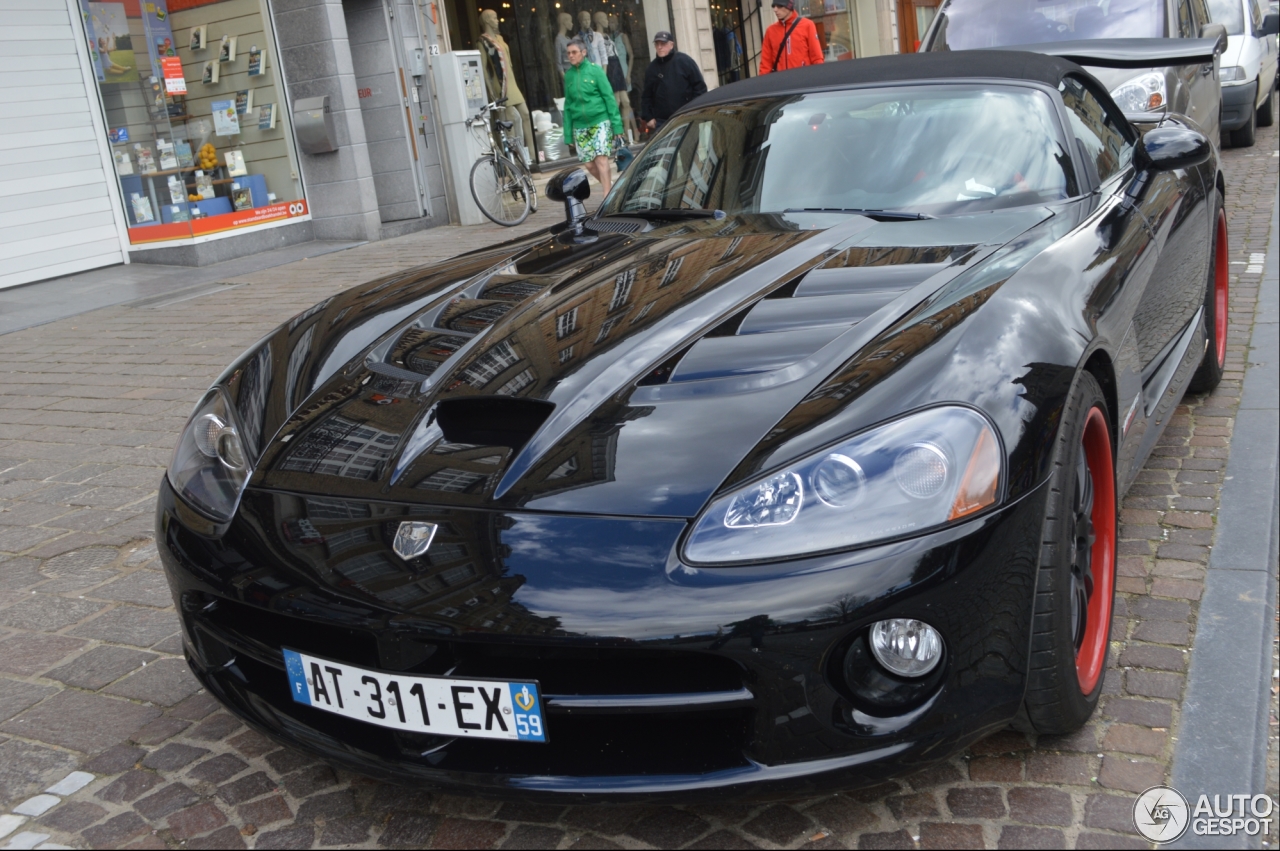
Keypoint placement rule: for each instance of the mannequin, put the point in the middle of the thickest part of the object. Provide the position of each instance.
(495, 57)
(594, 40)
(618, 73)
(562, 41)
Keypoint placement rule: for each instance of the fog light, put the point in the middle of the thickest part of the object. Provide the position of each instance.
(909, 648)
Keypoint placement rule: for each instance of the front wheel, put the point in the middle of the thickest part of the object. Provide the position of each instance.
(501, 189)
(1216, 307)
(1075, 586)
(1248, 134)
(1267, 114)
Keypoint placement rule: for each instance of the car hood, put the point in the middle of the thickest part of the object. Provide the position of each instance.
(630, 376)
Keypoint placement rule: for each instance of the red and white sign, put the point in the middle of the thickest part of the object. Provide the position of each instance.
(171, 68)
(216, 224)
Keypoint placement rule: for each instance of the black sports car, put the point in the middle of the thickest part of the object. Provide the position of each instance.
(794, 466)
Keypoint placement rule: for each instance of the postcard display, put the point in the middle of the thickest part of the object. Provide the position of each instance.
(522, 50)
(193, 106)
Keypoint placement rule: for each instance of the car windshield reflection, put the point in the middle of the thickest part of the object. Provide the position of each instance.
(924, 149)
(974, 24)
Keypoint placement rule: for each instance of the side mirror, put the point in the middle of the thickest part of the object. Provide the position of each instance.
(571, 186)
(1270, 25)
(1217, 32)
(1169, 148)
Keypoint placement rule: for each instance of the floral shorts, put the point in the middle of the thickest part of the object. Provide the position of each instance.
(592, 142)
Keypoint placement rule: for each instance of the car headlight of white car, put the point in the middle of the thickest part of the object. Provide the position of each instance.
(1144, 93)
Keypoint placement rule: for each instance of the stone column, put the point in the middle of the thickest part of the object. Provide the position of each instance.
(316, 60)
(692, 29)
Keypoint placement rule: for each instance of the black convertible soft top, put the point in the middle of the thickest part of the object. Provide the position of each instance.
(899, 68)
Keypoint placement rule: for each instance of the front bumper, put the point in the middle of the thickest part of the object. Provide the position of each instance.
(1237, 103)
(602, 607)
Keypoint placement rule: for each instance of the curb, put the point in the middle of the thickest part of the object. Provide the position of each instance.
(1222, 747)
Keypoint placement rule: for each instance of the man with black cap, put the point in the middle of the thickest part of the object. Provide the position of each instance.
(790, 42)
(671, 80)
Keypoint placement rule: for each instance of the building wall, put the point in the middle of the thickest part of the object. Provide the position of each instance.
(316, 58)
(692, 29)
(60, 210)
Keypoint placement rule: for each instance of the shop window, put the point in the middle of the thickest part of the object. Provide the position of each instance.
(196, 116)
(522, 49)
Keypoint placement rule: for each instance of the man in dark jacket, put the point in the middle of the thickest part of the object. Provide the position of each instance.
(672, 80)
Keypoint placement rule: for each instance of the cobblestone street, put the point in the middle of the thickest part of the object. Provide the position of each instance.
(95, 695)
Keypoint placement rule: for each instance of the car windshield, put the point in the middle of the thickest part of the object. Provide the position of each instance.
(972, 24)
(926, 149)
(1229, 13)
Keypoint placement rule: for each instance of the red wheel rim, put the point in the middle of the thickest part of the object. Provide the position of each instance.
(1093, 649)
(1220, 290)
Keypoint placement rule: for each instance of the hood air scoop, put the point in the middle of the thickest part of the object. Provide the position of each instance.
(491, 420)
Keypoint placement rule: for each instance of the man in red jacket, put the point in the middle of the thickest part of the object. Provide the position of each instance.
(792, 42)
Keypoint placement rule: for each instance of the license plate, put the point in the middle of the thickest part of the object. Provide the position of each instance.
(442, 706)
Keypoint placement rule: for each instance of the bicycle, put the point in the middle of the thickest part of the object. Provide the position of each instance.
(500, 180)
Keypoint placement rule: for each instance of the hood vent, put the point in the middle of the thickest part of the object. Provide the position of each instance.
(491, 420)
(798, 318)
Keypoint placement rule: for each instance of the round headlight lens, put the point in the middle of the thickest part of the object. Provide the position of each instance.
(921, 470)
(838, 480)
(206, 431)
(909, 648)
(230, 450)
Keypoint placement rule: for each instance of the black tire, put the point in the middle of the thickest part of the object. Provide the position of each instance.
(1267, 114)
(501, 189)
(1248, 134)
(1066, 630)
(1216, 305)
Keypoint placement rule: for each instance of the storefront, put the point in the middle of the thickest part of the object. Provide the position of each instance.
(195, 115)
(528, 38)
(847, 29)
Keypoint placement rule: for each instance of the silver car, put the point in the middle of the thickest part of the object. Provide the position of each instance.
(1191, 90)
(1248, 70)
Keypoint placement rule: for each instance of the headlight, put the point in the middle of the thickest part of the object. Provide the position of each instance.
(1144, 93)
(210, 467)
(922, 471)
(1231, 74)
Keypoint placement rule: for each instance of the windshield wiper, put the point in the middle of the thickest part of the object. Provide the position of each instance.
(875, 214)
(661, 213)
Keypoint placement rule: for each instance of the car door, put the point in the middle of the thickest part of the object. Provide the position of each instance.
(1208, 88)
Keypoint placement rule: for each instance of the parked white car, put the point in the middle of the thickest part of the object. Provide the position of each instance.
(1248, 69)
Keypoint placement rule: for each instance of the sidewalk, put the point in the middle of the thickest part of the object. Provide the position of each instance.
(91, 678)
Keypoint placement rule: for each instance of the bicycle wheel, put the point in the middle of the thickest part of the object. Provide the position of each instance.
(499, 190)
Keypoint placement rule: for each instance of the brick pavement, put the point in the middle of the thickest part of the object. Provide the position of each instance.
(91, 678)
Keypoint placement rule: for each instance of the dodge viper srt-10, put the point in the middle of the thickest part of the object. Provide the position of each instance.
(794, 465)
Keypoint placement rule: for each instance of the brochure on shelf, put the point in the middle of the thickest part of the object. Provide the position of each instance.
(141, 208)
(174, 82)
(244, 101)
(225, 120)
(210, 75)
(235, 164)
(241, 198)
(146, 160)
(168, 158)
(257, 61)
(267, 116)
(177, 189)
(204, 185)
(182, 149)
(124, 165)
(198, 37)
(227, 49)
